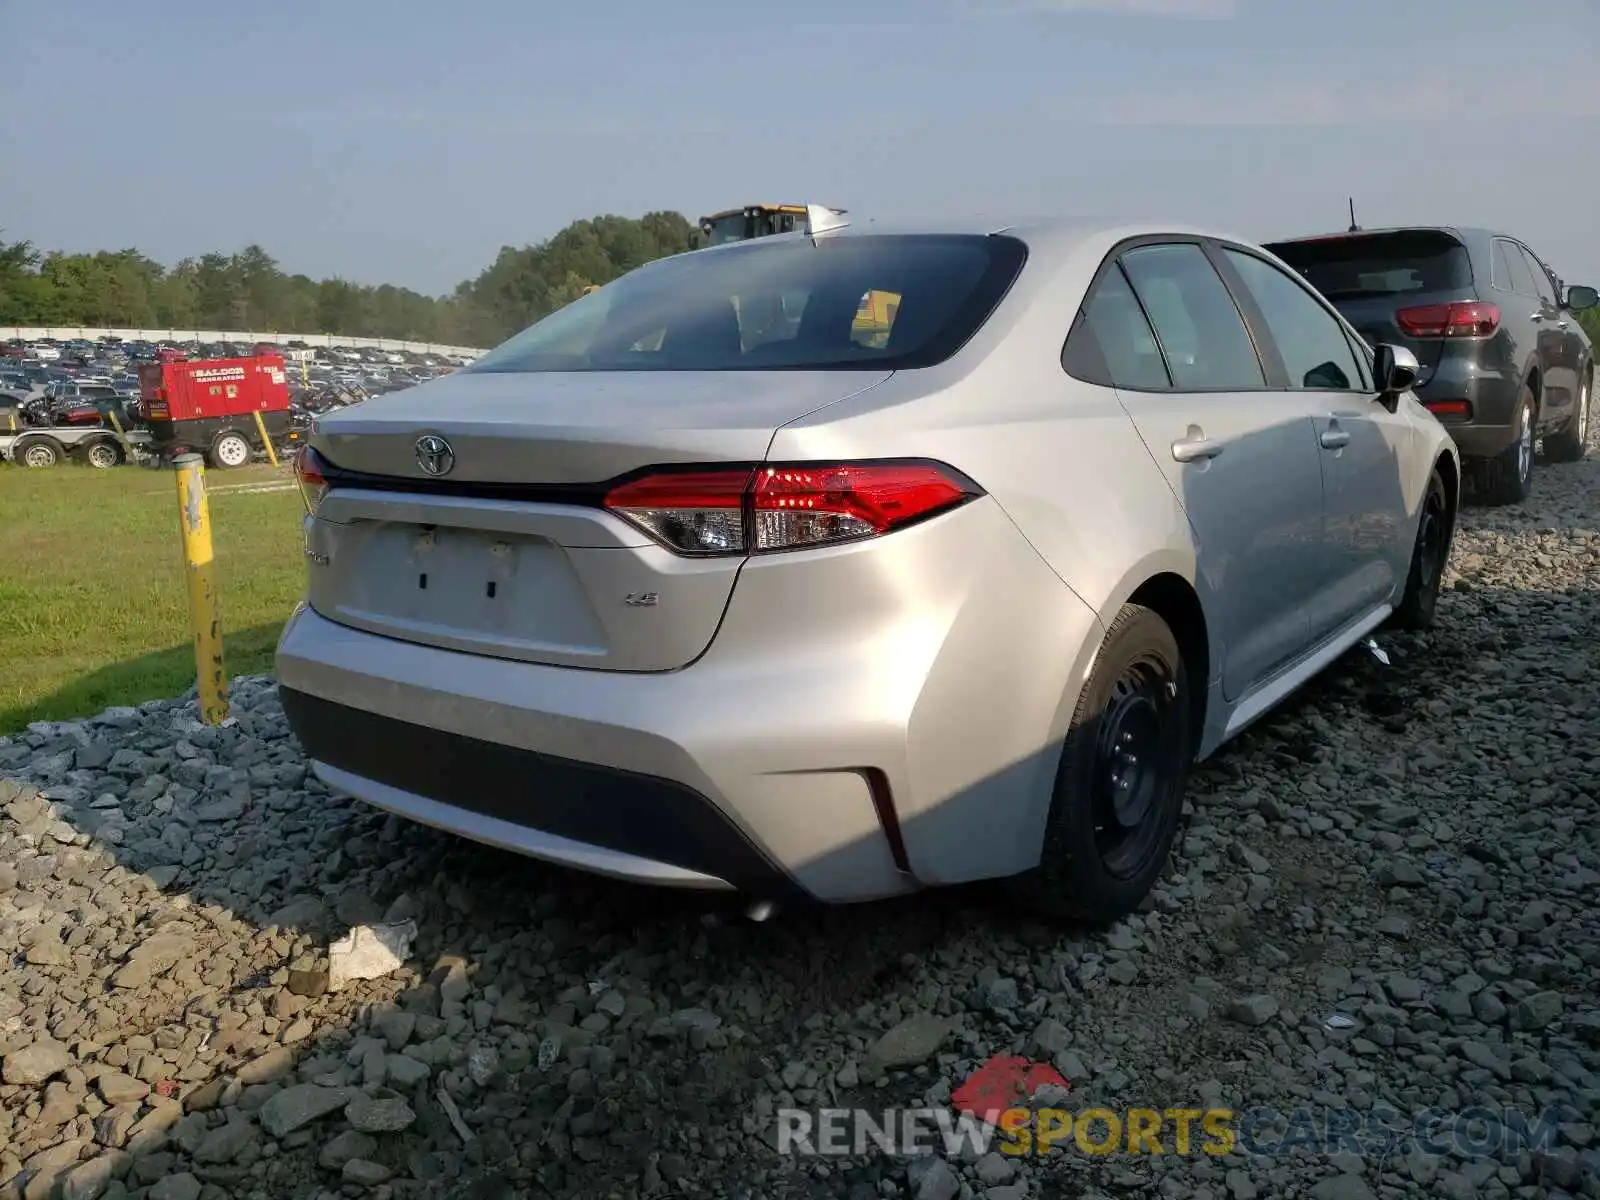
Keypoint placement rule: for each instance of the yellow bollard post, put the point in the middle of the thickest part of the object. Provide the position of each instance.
(261, 428)
(195, 524)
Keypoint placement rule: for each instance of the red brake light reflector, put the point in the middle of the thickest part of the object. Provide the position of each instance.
(308, 473)
(1466, 319)
(1448, 408)
(785, 506)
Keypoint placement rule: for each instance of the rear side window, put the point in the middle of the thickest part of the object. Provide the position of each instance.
(1541, 278)
(1112, 342)
(1501, 265)
(1315, 351)
(1203, 337)
(1380, 264)
(1521, 276)
(853, 302)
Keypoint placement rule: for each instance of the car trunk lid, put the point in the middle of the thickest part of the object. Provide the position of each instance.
(508, 552)
(550, 428)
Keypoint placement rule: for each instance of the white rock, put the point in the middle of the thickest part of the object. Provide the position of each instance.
(369, 952)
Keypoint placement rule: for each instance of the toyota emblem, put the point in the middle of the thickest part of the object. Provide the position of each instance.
(434, 455)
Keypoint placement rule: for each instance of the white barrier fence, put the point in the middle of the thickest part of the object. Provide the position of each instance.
(63, 333)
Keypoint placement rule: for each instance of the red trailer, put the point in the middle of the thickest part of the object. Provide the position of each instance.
(209, 407)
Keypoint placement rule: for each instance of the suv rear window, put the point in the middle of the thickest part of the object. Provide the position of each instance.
(856, 302)
(1380, 264)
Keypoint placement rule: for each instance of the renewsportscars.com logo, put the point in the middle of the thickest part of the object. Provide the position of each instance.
(909, 1132)
(1017, 1107)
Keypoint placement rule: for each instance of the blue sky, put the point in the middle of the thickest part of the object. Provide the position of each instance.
(404, 142)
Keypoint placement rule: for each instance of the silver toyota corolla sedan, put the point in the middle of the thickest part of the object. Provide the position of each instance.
(843, 565)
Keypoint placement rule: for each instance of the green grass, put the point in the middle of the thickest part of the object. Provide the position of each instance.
(93, 609)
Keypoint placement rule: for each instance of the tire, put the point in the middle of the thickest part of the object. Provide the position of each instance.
(1569, 444)
(1429, 554)
(38, 453)
(230, 451)
(1508, 477)
(1100, 859)
(102, 455)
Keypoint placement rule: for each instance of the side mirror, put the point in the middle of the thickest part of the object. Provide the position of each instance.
(1581, 296)
(1395, 368)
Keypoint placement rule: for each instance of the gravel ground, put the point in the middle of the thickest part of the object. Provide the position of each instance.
(1414, 848)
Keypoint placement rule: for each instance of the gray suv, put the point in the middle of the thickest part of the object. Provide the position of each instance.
(1503, 362)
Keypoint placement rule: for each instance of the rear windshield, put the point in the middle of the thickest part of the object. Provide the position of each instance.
(1380, 264)
(857, 302)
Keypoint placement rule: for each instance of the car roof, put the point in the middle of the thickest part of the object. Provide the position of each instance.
(1058, 234)
(1460, 232)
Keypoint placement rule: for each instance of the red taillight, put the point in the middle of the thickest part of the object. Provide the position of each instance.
(811, 505)
(1467, 319)
(785, 507)
(1448, 408)
(308, 474)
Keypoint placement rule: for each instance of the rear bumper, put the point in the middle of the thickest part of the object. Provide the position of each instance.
(613, 822)
(868, 720)
(1490, 426)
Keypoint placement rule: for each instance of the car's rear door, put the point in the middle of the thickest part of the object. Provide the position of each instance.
(1521, 307)
(1365, 447)
(1560, 347)
(1240, 456)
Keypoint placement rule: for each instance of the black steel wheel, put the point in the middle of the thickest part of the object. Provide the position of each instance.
(1435, 531)
(1119, 789)
(1133, 769)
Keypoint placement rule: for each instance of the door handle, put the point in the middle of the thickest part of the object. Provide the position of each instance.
(1195, 449)
(1334, 439)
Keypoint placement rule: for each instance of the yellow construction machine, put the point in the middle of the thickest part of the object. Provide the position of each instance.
(753, 221)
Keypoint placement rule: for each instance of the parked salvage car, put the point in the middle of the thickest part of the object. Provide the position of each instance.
(645, 594)
(1503, 361)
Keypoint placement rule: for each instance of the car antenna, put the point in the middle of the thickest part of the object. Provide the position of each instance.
(1354, 228)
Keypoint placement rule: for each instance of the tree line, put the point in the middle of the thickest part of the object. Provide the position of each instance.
(248, 290)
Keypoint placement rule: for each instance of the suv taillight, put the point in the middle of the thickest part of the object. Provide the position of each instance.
(1465, 319)
(786, 506)
(308, 474)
